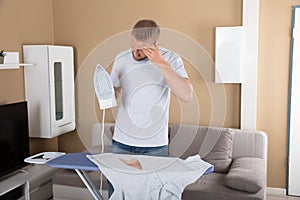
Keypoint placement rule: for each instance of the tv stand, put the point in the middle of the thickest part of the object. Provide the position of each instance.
(35, 180)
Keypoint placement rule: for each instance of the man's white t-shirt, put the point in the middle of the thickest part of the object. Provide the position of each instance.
(143, 115)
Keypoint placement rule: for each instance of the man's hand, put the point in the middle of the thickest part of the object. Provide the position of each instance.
(153, 54)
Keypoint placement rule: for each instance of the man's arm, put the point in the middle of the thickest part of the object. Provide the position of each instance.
(180, 86)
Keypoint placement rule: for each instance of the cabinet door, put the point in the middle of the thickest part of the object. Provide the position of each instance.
(61, 75)
(37, 90)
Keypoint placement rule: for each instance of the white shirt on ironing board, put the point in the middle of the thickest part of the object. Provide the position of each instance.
(154, 178)
(143, 115)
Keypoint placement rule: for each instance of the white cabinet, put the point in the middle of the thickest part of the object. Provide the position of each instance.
(49, 90)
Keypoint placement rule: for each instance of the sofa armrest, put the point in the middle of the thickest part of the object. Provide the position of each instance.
(250, 143)
(246, 174)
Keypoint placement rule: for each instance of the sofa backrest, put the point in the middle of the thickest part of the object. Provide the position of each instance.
(213, 144)
(250, 143)
(97, 131)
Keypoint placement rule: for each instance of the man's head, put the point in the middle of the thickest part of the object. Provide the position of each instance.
(144, 32)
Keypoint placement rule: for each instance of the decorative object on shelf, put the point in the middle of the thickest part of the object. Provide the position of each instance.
(2, 55)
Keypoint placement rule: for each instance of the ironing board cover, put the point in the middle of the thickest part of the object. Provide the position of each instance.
(73, 161)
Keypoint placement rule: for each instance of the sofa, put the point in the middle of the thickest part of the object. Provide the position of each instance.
(239, 157)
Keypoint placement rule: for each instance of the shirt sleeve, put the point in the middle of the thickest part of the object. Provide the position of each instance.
(177, 65)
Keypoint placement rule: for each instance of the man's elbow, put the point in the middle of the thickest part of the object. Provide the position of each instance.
(188, 96)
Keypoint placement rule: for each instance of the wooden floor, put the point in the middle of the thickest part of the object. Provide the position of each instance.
(269, 197)
(281, 197)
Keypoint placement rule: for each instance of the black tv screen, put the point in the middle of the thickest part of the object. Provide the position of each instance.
(14, 137)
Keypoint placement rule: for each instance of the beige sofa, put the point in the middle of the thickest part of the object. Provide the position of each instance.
(239, 157)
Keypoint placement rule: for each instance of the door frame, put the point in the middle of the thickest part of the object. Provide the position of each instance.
(290, 191)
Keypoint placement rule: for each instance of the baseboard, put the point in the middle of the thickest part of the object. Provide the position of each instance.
(276, 191)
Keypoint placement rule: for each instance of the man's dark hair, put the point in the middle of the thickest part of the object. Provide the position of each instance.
(145, 30)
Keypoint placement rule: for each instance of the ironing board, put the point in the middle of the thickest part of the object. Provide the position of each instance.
(80, 163)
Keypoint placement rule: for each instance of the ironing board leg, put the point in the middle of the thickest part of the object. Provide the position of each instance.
(89, 184)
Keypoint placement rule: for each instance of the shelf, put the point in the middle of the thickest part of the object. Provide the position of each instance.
(14, 65)
(34, 179)
(14, 181)
(11, 61)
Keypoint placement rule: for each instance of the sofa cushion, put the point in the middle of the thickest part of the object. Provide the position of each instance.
(213, 144)
(246, 174)
(211, 186)
(221, 153)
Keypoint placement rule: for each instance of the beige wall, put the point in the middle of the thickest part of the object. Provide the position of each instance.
(24, 22)
(273, 80)
(99, 20)
(83, 24)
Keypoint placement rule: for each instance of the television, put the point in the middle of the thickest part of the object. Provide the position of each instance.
(14, 137)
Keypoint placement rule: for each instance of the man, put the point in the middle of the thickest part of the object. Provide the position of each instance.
(144, 76)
